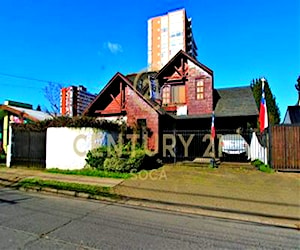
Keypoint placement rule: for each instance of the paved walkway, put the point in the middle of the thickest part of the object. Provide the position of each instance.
(236, 193)
(16, 174)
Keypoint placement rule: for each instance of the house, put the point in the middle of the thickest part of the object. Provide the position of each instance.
(16, 112)
(120, 100)
(292, 115)
(181, 96)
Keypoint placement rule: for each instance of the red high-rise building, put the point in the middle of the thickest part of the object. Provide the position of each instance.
(74, 100)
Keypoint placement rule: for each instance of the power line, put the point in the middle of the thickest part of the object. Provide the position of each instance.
(33, 79)
(21, 86)
(29, 78)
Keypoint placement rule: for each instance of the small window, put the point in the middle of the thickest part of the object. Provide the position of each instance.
(178, 94)
(166, 95)
(142, 123)
(199, 89)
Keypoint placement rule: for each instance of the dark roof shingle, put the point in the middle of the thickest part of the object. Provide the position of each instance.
(237, 101)
(292, 115)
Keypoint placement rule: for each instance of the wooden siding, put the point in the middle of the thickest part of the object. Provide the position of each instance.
(285, 147)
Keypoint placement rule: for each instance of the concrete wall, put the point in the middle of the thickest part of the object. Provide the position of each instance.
(67, 147)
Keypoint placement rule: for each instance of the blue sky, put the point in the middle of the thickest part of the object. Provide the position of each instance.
(86, 42)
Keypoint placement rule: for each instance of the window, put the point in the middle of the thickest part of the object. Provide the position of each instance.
(142, 123)
(166, 95)
(199, 89)
(178, 94)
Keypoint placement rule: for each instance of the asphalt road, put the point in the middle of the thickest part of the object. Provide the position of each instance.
(37, 221)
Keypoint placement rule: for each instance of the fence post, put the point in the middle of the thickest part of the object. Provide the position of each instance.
(174, 133)
(269, 141)
(9, 148)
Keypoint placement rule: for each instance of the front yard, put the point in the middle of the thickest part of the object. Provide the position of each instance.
(238, 188)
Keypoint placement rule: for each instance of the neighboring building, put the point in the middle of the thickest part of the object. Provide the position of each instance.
(185, 101)
(17, 112)
(167, 34)
(292, 115)
(74, 100)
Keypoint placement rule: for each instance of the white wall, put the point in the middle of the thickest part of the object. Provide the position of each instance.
(67, 147)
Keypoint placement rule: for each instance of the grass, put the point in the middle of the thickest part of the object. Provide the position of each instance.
(93, 190)
(90, 172)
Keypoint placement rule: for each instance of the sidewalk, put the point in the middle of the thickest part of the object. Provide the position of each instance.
(228, 192)
(16, 174)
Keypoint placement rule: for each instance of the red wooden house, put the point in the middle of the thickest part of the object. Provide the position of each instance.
(180, 96)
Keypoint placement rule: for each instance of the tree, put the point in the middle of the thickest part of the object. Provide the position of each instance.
(272, 107)
(38, 108)
(52, 94)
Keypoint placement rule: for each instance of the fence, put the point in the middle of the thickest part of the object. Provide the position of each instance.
(28, 149)
(178, 145)
(285, 147)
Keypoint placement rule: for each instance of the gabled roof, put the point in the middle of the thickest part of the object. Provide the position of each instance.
(237, 101)
(140, 75)
(292, 115)
(111, 87)
(29, 114)
(179, 55)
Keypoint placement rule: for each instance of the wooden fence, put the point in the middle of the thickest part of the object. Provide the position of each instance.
(28, 149)
(285, 147)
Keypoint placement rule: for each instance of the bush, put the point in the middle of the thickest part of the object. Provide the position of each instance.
(266, 169)
(122, 159)
(71, 122)
(262, 167)
(115, 164)
(2, 157)
(95, 158)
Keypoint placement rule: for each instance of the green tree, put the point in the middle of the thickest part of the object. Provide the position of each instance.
(38, 108)
(272, 107)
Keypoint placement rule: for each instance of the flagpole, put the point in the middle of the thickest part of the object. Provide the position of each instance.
(264, 121)
(212, 137)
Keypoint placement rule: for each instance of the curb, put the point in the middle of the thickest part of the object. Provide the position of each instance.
(202, 212)
(152, 204)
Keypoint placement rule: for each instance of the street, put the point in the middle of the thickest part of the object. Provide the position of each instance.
(39, 221)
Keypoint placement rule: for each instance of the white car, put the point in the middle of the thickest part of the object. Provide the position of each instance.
(233, 144)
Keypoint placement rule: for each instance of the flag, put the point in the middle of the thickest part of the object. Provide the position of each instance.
(154, 94)
(263, 114)
(213, 131)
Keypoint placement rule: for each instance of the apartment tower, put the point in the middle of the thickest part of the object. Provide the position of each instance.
(167, 34)
(74, 100)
